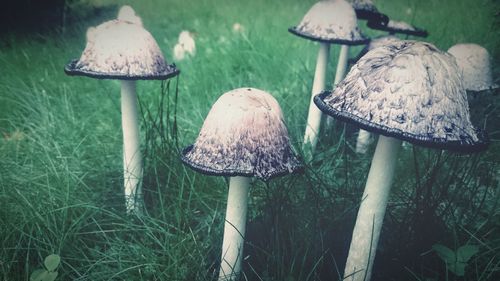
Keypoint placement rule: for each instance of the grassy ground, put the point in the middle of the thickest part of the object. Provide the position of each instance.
(60, 155)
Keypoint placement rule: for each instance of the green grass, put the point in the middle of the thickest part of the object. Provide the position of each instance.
(60, 156)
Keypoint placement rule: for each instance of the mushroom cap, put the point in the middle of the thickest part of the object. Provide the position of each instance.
(393, 26)
(331, 21)
(121, 49)
(407, 90)
(382, 41)
(375, 43)
(474, 63)
(243, 135)
(366, 10)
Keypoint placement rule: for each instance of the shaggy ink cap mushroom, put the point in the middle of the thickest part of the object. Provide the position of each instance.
(393, 26)
(366, 10)
(121, 49)
(474, 63)
(243, 135)
(332, 21)
(408, 90)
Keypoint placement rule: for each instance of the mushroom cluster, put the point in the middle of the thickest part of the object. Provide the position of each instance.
(401, 90)
(406, 90)
(328, 22)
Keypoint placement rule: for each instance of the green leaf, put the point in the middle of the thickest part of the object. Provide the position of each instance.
(52, 262)
(38, 275)
(456, 261)
(445, 253)
(51, 276)
(466, 252)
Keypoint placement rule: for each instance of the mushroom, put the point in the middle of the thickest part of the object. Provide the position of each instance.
(366, 10)
(406, 90)
(185, 45)
(474, 63)
(122, 49)
(243, 136)
(393, 26)
(328, 22)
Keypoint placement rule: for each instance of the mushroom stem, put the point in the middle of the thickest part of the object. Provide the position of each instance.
(363, 141)
(132, 158)
(339, 74)
(371, 210)
(234, 228)
(314, 115)
(341, 65)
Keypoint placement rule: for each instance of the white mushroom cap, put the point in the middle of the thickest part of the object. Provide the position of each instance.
(408, 90)
(375, 43)
(243, 135)
(126, 13)
(474, 63)
(186, 39)
(382, 41)
(121, 49)
(331, 21)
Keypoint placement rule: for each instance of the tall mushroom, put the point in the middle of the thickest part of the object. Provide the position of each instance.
(243, 136)
(474, 63)
(122, 49)
(328, 22)
(406, 90)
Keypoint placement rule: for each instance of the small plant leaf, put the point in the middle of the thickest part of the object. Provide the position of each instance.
(445, 253)
(52, 262)
(38, 275)
(51, 276)
(466, 252)
(456, 261)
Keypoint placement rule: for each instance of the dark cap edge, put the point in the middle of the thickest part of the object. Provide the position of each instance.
(436, 143)
(71, 69)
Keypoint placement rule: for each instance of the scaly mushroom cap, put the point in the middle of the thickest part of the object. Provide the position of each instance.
(408, 90)
(331, 21)
(375, 43)
(474, 62)
(243, 135)
(393, 26)
(121, 49)
(366, 10)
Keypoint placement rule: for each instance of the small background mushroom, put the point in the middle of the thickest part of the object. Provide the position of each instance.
(185, 46)
(328, 22)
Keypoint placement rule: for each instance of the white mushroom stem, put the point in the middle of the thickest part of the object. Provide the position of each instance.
(341, 65)
(234, 228)
(363, 141)
(371, 211)
(339, 74)
(314, 115)
(132, 158)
